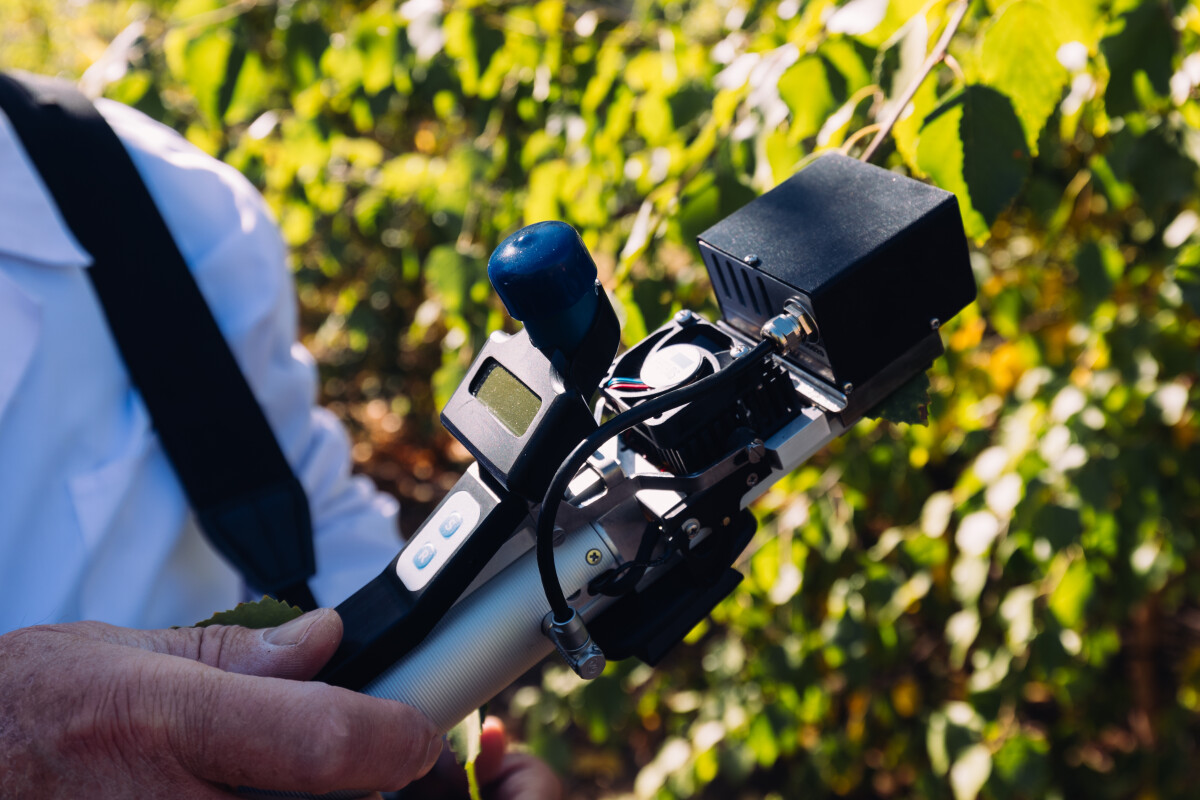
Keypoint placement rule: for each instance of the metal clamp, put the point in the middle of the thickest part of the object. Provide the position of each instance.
(575, 645)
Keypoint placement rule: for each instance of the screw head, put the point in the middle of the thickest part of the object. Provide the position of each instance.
(752, 260)
(935, 323)
(752, 479)
(847, 387)
(683, 316)
(593, 556)
(738, 350)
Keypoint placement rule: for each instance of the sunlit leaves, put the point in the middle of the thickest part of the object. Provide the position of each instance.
(1018, 57)
(973, 144)
(805, 88)
(209, 64)
(1069, 598)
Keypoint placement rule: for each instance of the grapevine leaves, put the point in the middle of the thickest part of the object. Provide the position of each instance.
(806, 91)
(1018, 57)
(908, 404)
(265, 613)
(465, 740)
(1143, 42)
(974, 145)
(978, 142)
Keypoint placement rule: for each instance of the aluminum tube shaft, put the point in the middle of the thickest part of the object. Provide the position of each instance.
(490, 638)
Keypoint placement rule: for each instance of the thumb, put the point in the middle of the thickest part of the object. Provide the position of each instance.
(296, 650)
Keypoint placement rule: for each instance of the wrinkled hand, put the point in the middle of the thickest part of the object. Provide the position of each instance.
(88, 709)
(502, 775)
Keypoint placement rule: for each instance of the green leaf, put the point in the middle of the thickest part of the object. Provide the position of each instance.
(465, 740)
(974, 146)
(1018, 57)
(379, 56)
(908, 404)
(653, 119)
(1099, 265)
(1080, 20)
(841, 55)
(264, 613)
(250, 92)
(1070, 597)
(805, 90)
(1142, 42)
(209, 64)
(449, 274)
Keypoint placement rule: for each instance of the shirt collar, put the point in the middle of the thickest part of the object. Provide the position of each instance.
(31, 227)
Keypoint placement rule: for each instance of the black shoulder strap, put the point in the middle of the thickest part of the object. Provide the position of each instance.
(246, 498)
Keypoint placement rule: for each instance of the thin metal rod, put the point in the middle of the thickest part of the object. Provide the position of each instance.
(932, 60)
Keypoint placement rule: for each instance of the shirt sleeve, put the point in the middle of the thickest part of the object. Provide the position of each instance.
(233, 247)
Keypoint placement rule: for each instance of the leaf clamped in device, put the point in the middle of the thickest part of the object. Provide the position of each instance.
(908, 404)
(265, 613)
(465, 740)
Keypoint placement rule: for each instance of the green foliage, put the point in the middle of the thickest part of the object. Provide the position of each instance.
(999, 604)
(266, 612)
(465, 740)
(908, 404)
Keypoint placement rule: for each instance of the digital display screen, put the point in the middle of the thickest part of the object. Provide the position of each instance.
(509, 400)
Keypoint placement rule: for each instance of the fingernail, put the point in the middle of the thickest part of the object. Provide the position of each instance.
(292, 633)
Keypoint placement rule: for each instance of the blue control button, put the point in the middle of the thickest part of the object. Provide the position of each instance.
(450, 525)
(424, 556)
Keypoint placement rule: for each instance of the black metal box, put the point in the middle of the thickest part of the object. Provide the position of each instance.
(876, 258)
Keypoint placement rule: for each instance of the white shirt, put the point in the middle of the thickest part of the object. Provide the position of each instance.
(93, 522)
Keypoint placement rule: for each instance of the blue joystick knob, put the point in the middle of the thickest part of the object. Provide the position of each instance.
(547, 280)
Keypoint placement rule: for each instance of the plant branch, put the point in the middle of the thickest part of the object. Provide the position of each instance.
(932, 60)
(861, 133)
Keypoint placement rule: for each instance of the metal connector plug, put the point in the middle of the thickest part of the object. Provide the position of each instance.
(789, 330)
(575, 645)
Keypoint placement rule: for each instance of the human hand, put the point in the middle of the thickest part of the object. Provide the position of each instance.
(88, 709)
(502, 775)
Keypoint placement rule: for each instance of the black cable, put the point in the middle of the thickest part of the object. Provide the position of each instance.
(616, 425)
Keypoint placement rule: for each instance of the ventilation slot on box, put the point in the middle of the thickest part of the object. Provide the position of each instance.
(737, 287)
(750, 290)
(719, 273)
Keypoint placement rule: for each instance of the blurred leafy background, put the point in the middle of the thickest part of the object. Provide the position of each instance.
(1005, 603)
